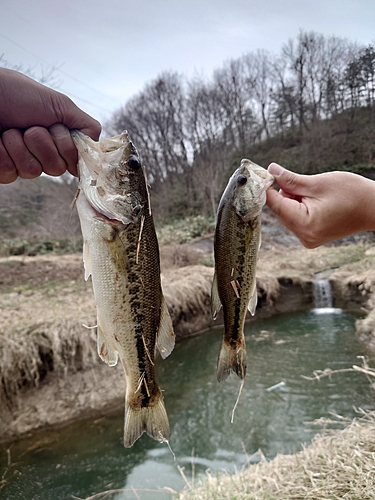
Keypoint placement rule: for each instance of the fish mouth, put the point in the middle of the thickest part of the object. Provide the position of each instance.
(258, 173)
(117, 221)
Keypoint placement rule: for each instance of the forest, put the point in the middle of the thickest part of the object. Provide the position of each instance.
(310, 107)
(192, 134)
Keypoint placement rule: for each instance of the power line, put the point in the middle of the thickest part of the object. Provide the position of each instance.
(84, 100)
(61, 71)
(27, 21)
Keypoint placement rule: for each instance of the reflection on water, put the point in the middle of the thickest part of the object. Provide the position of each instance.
(88, 457)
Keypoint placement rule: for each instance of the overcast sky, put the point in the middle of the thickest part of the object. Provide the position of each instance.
(106, 51)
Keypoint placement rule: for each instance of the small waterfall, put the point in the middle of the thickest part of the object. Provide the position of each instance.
(323, 301)
(322, 294)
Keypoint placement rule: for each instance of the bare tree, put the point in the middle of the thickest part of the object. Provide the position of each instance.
(236, 103)
(155, 120)
(259, 81)
(284, 102)
(207, 128)
(44, 74)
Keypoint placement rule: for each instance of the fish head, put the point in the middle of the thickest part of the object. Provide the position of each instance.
(247, 189)
(111, 176)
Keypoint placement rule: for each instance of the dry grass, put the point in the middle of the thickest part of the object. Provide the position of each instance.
(270, 286)
(175, 256)
(187, 291)
(337, 465)
(28, 356)
(299, 262)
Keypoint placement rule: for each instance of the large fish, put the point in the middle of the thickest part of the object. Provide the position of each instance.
(121, 254)
(236, 245)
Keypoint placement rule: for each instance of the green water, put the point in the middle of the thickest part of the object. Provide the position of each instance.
(88, 457)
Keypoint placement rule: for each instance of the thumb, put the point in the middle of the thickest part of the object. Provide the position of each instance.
(75, 118)
(288, 203)
(289, 182)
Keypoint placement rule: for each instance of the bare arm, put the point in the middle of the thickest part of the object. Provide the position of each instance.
(324, 207)
(35, 124)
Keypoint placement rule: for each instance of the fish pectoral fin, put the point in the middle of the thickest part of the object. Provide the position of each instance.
(253, 300)
(105, 350)
(165, 338)
(215, 299)
(151, 419)
(231, 358)
(86, 260)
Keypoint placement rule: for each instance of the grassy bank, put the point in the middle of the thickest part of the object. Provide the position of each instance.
(339, 464)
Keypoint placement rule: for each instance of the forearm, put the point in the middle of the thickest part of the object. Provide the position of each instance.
(364, 204)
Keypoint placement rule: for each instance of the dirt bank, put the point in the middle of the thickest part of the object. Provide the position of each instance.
(50, 372)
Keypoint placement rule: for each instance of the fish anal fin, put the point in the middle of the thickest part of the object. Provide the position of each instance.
(150, 419)
(86, 259)
(165, 339)
(253, 300)
(231, 358)
(215, 299)
(105, 350)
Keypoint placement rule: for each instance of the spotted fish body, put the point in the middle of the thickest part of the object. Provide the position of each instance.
(121, 254)
(236, 244)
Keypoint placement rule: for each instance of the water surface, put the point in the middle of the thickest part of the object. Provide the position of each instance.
(88, 457)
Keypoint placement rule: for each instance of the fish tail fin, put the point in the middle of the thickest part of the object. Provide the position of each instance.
(150, 419)
(231, 358)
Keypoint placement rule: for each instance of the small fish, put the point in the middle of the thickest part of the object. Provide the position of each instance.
(236, 244)
(121, 253)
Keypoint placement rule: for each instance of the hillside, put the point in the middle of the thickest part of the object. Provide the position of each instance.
(344, 142)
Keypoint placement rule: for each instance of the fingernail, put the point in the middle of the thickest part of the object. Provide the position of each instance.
(275, 169)
(58, 130)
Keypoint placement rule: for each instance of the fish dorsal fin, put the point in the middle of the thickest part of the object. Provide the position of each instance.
(215, 299)
(165, 339)
(86, 260)
(105, 351)
(253, 300)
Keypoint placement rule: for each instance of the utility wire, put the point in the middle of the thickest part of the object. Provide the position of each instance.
(63, 72)
(26, 21)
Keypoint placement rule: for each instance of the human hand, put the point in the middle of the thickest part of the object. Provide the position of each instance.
(35, 124)
(323, 207)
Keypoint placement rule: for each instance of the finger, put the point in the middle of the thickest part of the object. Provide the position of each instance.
(291, 212)
(74, 118)
(290, 182)
(65, 146)
(291, 196)
(40, 143)
(8, 171)
(26, 164)
(93, 129)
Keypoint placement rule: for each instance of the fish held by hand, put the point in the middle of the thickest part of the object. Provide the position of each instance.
(236, 244)
(121, 254)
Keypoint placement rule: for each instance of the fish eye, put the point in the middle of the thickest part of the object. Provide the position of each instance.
(241, 179)
(137, 210)
(134, 163)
